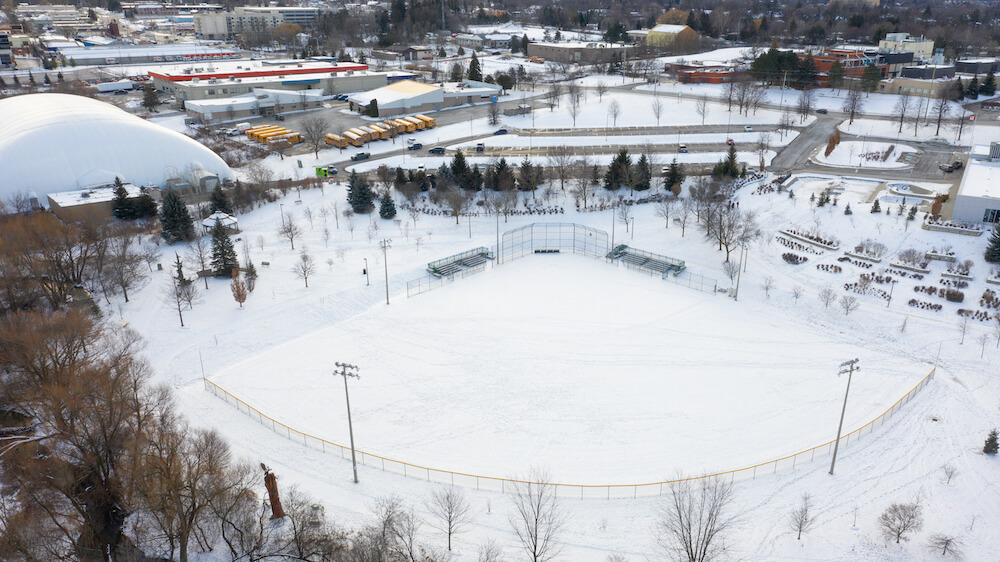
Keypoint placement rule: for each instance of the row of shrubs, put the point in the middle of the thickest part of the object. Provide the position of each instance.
(924, 305)
(980, 315)
(794, 259)
(859, 263)
(829, 267)
(904, 273)
(951, 295)
(797, 246)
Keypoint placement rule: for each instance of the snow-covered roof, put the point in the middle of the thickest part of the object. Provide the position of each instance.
(228, 221)
(981, 179)
(668, 28)
(55, 142)
(397, 91)
(90, 195)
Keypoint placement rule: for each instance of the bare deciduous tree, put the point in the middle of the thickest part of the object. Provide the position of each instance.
(490, 551)
(827, 296)
(685, 213)
(802, 517)
(537, 519)
(601, 88)
(289, 229)
(947, 544)
(900, 519)
(767, 284)
(623, 214)
(693, 522)
(314, 131)
(806, 103)
(663, 209)
(614, 111)
(701, 106)
(949, 472)
(849, 304)
(797, 293)
(560, 159)
(451, 510)
(942, 107)
(657, 106)
(493, 113)
(124, 261)
(305, 267)
(902, 107)
(854, 102)
(731, 270)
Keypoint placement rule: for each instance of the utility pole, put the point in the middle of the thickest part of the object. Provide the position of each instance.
(349, 371)
(850, 368)
(386, 243)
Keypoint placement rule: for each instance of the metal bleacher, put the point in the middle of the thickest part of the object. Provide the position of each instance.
(648, 261)
(451, 265)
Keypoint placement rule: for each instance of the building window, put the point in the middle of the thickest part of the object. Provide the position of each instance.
(210, 92)
(991, 215)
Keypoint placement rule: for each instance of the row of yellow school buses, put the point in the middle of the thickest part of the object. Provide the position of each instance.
(385, 130)
(273, 134)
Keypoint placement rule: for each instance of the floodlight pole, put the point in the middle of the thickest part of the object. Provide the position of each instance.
(386, 243)
(850, 371)
(367, 278)
(891, 287)
(349, 371)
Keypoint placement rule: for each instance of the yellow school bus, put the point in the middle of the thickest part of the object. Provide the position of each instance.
(265, 136)
(365, 137)
(373, 134)
(354, 139)
(336, 140)
(255, 134)
(405, 125)
(391, 127)
(383, 133)
(420, 125)
(429, 121)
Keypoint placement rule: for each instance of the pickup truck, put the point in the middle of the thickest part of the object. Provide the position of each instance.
(361, 156)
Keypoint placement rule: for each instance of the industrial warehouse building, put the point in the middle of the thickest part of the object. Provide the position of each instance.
(259, 103)
(218, 81)
(578, 52)
(415, 97)
(145, 54)
(978, 199)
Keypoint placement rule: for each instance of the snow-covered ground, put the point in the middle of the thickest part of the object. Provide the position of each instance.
(426, 363)
(774, 139)
(973, 132)
(855, 154)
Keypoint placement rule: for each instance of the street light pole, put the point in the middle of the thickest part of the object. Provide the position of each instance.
(891, 287)
(281, 210)
(349, 371)
(850, 372)
(367, 278)
(386, 243)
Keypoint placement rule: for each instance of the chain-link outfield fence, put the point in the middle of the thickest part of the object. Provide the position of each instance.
(428, 282)
(549, 237)
(582, 491)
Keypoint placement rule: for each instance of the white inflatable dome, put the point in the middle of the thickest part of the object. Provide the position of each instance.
(61, 142)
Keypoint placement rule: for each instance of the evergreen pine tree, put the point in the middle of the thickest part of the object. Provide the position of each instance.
(359, 194)
(223, 254)
(993, 246)
(836, 75)
(400, 177)
(150, 97)
(876, 208)
(122, 207)
(870, 78)
(912, 214)
(643, 174)
(989, 86)
(847, 210)
(175, 219)
(524, 43)
(460, 170)
(386, 208)
(219, 201)
(972, 92)
(144, 206)
(250, 276)
(990, 447)
(475, 71)
(619, 171)
(957, 90)
(373, 108)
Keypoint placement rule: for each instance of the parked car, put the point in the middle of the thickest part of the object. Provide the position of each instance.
(415, 146)
(682, 148)
(822, 111)
(946, 168)
(279, 117)
(748, 128)
(500, 132)
(361, 156)
(665, 170)
(437, 150)
(480, 147)
(730, 142)
(957, 165)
